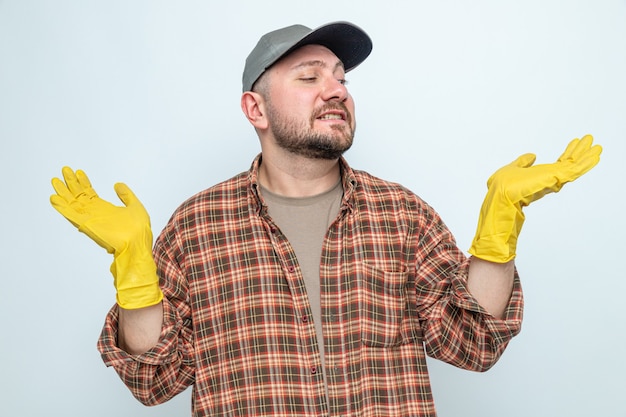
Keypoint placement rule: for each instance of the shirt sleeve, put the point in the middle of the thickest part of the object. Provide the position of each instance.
(168, 368)
(455, 327)
(160, 373)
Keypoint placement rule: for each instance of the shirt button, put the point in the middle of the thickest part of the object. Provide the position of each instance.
(305, 319)
(313, 370)
(291, 268)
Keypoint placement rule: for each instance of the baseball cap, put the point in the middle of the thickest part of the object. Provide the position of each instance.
(349, 42)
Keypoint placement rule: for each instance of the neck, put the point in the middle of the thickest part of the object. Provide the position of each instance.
(297, 176)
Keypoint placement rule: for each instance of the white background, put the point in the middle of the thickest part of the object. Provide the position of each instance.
(147, 92)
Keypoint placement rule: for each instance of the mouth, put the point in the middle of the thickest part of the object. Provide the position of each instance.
(332, 115)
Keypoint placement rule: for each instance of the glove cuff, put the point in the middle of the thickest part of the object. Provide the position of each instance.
(136, 279)
(499, 225)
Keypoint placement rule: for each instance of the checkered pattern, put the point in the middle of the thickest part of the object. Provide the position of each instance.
(238, 325)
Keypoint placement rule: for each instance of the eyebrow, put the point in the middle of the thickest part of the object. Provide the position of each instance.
(316, 63)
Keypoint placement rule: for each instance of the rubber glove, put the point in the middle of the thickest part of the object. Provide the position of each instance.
(123, 231)
(518, 184)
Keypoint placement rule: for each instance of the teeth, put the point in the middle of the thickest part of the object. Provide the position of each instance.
(331, 117)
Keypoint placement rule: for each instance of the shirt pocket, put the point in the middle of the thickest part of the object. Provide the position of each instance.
(383, 303)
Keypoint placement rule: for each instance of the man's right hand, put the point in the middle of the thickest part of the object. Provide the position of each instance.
(124, 232)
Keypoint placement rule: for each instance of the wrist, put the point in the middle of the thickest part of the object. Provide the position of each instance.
(136, 279)
(499, 225)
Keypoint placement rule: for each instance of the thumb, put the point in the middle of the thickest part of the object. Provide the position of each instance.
(524, 161)
(131, 201)
(125, 194)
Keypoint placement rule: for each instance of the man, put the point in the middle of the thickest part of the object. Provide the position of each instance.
(302, 286)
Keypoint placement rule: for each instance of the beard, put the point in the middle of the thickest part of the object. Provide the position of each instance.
(299, 138)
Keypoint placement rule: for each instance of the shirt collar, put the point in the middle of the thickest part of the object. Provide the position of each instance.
(348, 182)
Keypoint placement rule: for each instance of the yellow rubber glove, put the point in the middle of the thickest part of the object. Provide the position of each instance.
(517, 185)
(123, 231)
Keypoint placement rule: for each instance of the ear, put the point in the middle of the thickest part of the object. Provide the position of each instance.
(253, 106)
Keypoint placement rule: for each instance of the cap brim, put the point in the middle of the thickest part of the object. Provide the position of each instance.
(349, 42)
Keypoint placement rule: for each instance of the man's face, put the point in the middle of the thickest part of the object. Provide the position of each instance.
(308, 106)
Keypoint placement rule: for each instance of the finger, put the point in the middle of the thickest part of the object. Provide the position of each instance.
(596, 150)
(62, 206)
(83, 179)
(71, 181)
(588, 139)
(589, 160)
(61, 189)
(583, 147)
(576, 148)
(569, 150)
(59, 203)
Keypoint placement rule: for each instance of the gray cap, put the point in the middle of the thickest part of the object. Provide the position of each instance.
(349, 42)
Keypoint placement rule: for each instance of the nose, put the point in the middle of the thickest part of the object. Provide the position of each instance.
(335, 89)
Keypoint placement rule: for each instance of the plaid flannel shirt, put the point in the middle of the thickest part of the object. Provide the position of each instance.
(238, 324)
